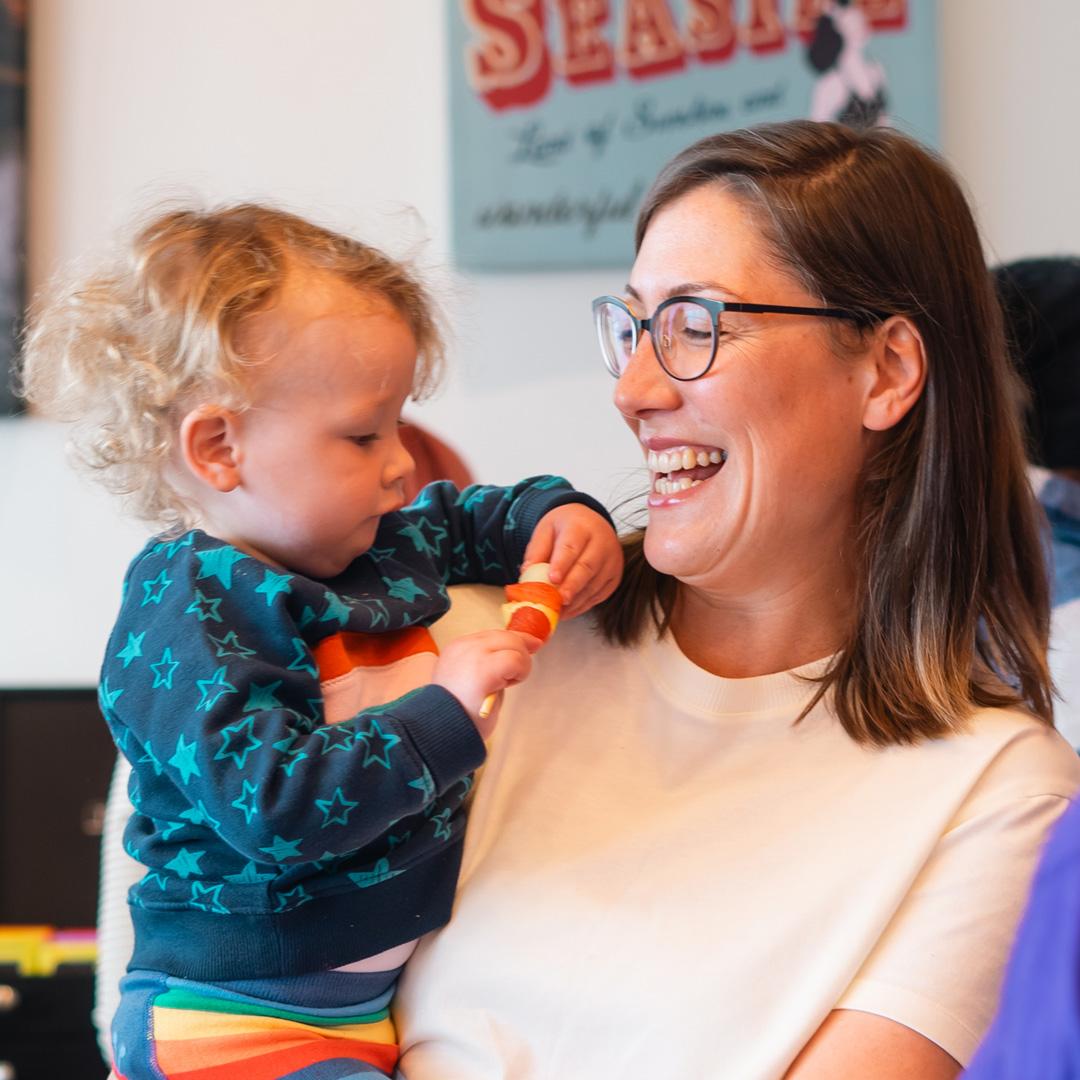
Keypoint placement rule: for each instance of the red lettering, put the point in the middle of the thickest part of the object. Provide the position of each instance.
(711, 30)
(651, 44)
(764, 32)
(510, 65)
(885, 14)
(587, 56)
(805, 16)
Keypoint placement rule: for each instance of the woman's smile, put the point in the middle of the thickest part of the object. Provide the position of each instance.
(680, 468)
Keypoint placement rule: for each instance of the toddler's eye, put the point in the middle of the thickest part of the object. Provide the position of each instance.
(363, 440)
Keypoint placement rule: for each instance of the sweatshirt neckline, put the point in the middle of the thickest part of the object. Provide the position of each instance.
(688, 685)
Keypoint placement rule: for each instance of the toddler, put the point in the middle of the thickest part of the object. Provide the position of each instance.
(300, 751)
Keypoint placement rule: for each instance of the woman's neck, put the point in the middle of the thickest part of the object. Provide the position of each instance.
(782, 629)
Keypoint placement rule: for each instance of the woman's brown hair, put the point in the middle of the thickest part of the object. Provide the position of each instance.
(952, 604)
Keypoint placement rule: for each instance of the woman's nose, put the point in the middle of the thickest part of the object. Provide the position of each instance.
(644, 386)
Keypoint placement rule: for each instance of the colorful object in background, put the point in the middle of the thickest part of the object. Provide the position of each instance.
(434, 460)
(532, 607)
(40, 950)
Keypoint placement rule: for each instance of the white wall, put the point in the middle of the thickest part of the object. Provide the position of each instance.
(336, 108)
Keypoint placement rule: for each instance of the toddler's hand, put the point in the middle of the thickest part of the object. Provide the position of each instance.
(584, 552)
(473, 666)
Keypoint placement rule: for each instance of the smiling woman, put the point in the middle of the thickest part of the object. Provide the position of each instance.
(774, 816)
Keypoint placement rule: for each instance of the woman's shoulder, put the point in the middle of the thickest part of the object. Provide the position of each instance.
(1027, 758)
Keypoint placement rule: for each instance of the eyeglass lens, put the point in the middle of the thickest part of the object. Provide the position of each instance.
(682, 337)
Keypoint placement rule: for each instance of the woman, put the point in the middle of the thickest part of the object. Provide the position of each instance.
(776, 816)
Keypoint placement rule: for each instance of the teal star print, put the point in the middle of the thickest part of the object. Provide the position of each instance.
(273, 584)
(211, 689)
(155, 879)
(403, 589)
(184, 760)
(422, 501)
(154, 590)
(377, 744)
(307, 616)
(466, 786)
(186, 863)
(249, 876)
(425, 537)
(378, 614)
(396, 841)
(133, 648)
(335, 611)
(296, 756)
(149, 758)
(441, 822)
(335, 737)
(423, 783)
(339, 803)
(246, 802)
(168, 828)
(263, 697)
(282, 849)
(460, 566)
(379, 873)
(381, 554)
(292, 899)
(163, 670)
(229, 645)
(199, 815)
(218, 563)
(326, 859)
(237, 741)
(302, 660)
(471, 496)
(201, 893)
(171, 549)
(108, 697)
(488, 556)
(204, 608)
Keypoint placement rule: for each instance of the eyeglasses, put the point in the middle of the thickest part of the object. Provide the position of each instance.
(685, 330)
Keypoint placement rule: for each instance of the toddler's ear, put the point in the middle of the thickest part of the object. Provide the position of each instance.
(208, 436)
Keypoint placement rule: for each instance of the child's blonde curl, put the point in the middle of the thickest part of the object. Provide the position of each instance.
(121, 351)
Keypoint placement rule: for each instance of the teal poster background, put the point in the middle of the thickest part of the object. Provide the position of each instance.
(562, 111)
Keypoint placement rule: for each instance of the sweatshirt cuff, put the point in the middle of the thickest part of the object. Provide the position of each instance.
(442, 733)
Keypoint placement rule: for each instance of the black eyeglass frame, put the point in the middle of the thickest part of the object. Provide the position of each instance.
(715, 308)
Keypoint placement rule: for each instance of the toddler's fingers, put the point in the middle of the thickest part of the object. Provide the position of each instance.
(532, 644)
(590, 598)
(570, 546)
(540, 544)
(513, 665)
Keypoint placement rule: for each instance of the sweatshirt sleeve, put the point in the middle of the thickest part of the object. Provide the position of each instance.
(213, 694)
(480, 533)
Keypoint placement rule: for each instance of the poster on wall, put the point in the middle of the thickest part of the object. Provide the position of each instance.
(12, 122)
(562, 111)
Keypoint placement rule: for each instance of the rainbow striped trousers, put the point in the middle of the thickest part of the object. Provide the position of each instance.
(175, 1029)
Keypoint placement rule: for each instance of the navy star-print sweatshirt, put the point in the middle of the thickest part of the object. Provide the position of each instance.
(297, 781)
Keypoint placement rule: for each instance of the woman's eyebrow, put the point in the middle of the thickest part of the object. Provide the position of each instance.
(686, 288)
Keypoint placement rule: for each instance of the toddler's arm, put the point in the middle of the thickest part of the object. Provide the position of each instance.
(480, 534)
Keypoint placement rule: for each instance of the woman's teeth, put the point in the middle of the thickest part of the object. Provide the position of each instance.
(696, 465)
(682, 457)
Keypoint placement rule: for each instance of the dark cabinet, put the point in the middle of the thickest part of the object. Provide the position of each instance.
(56, 759)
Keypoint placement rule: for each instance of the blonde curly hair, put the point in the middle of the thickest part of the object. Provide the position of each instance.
(118, 351)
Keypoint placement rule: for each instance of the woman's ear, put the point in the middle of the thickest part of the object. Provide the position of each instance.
(899, 358)
(209, 446)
